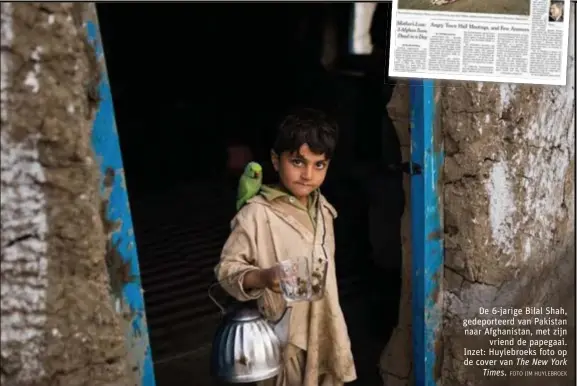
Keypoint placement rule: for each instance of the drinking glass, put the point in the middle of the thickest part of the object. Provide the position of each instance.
(294, 277)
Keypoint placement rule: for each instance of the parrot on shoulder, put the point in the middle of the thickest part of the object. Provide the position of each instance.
(249, 184)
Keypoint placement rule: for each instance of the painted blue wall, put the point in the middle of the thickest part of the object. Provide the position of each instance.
(107, 148)
(426, 234)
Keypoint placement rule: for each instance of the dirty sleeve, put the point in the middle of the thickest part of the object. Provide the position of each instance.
(238, 257)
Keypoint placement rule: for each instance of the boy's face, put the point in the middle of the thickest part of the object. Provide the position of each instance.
(301, 172)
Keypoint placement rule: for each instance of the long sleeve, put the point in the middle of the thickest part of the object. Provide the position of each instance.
(238, 257)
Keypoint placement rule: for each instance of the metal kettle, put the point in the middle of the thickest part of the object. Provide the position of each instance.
(246, 347)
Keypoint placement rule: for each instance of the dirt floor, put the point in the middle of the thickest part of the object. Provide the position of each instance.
(506, 7)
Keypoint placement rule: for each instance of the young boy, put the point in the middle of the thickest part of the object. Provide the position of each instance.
(290, 220)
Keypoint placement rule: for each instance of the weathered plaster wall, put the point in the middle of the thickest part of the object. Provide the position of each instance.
(509, 213)
(58, 324)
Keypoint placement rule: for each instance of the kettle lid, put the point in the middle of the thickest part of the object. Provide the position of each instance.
(246, 314)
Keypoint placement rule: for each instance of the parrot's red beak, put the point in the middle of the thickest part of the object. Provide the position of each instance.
(256, 174)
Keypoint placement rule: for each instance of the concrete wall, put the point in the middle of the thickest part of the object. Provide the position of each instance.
(58, 324)
(509, 214)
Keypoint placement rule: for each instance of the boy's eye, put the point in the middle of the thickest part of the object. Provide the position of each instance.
(297, 162)
(320, 165)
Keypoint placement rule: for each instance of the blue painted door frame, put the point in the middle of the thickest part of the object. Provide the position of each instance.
(105, 143)
(426, 233)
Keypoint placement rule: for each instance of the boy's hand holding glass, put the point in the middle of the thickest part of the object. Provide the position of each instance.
(291, 278)
(263, 278)
(271, 278)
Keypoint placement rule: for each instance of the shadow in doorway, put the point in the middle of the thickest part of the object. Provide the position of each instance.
(191, 80)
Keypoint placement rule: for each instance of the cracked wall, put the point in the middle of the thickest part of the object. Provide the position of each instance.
(58, 323)
(508, 213)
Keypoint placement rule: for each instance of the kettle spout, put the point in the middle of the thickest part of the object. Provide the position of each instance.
(281, 326)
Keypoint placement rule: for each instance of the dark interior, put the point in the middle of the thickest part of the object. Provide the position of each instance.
(189, 81)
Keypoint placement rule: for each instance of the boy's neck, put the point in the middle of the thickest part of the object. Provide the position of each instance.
(303, 200)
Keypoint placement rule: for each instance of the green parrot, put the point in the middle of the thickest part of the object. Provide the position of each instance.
(249, 184)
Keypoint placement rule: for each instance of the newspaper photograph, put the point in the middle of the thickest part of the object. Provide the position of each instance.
(512, 41)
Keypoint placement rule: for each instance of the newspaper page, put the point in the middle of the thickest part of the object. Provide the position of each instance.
(512, 41)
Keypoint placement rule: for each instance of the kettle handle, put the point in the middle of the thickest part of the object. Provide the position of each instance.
(222, 310)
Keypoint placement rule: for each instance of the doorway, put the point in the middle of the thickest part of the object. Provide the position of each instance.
(190, 83)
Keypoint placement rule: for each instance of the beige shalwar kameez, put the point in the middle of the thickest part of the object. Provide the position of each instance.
(319, 350)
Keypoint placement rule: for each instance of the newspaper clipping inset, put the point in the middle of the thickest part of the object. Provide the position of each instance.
(512, 41)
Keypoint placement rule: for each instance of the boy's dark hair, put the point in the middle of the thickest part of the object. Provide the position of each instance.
(307, 126)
